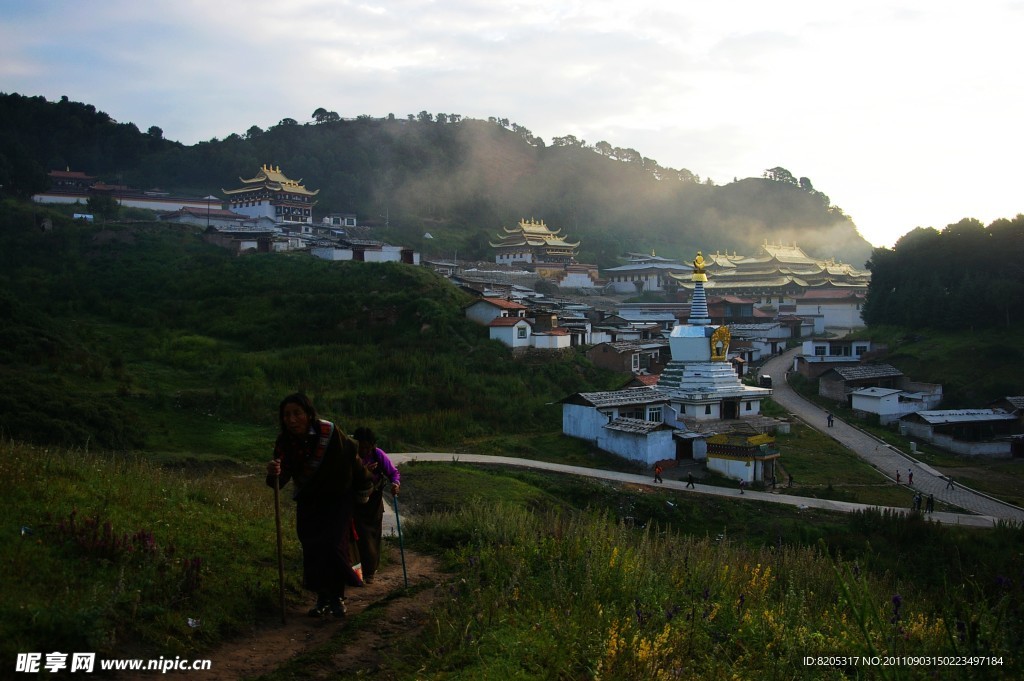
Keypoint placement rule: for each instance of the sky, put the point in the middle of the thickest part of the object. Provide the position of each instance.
(906, 113)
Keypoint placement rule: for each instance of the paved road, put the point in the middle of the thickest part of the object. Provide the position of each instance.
(886, 458)
(678, 485)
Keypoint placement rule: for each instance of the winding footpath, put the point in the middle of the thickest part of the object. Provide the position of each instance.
(983, 511)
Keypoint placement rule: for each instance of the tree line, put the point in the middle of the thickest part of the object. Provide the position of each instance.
(963, 276)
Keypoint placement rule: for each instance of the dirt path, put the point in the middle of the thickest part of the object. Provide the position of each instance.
(269, 644)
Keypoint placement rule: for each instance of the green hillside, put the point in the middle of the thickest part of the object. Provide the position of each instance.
(143, 335)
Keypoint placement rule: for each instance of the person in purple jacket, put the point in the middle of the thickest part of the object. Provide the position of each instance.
(370, 515)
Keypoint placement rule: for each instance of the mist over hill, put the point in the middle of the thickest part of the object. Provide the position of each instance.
(460, 179)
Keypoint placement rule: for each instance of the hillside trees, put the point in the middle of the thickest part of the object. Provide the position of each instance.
(965, 276)
(461, 175)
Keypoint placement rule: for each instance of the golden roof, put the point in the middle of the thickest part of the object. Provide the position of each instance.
(272, 178)
(532, 233)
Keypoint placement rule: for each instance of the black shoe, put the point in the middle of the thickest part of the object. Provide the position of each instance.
(338, 608)
(368, 579)
(320, 609)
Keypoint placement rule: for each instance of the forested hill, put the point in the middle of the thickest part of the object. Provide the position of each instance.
(459, 179)
(966, 276)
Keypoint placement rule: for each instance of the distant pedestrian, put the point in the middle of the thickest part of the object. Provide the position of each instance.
(930, 504)
(949, 482)
(917, 501)
(789, 482)
(689, 479)
(830, 419)
(773, 482)
(657, 473)
(743, 483)
(910, 477)
(897, 477)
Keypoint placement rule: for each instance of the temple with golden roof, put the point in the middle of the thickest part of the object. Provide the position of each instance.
(776, 270)
(533, 242)
(273, 194)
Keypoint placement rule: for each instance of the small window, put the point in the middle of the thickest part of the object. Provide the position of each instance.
(521, 332)
(707, 408)
(749, 407)
(819, 350)
(654, 414)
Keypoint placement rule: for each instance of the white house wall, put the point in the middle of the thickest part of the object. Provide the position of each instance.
(646, 449)
(730, 468)
(582, 421)
(332, 253)
(576, 280)
(551, 341)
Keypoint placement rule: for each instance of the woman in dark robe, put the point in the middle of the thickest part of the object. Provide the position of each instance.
(328, 480)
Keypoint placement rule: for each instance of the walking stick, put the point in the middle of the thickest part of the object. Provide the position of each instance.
(401, 543)
(280, 552)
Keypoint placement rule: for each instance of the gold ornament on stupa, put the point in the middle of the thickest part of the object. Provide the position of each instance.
(698, 269)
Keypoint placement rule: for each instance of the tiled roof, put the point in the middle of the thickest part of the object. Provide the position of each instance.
(1016, 402)
(942, 416)
(615, 398)
(863, 371)
(638, 426)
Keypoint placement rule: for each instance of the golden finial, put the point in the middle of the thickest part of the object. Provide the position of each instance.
(698, 268)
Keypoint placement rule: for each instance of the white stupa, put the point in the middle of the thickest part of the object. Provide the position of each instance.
(700, 379)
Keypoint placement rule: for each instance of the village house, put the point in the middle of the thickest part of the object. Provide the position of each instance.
(630, 423)
(362, 250)
(840, 382)
(515, 332)
(764, 339)
(630, 356)
(973, 432)
(836, 308)
(819, 355)
(890, 404)
(1011, 405)
(340, 220)
(485, 310)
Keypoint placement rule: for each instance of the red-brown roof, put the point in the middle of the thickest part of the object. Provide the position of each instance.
(502, 303)
(508, 321)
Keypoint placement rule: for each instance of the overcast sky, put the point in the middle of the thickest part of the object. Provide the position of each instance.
(906, 113)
